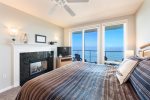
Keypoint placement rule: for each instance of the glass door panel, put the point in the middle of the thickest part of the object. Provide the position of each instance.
(77, 46)
(90, 45)
(114, 43)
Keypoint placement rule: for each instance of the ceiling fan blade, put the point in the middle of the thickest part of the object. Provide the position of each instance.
(76, 1)
(69, 10)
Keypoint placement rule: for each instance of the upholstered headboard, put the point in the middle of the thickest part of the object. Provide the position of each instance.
(145, 50)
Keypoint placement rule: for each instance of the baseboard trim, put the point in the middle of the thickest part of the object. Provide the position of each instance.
(5, 89)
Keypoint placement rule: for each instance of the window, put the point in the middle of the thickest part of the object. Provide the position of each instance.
(97, 46)
(77, 44)
(89, 37)
(114, 43)
(90, 45)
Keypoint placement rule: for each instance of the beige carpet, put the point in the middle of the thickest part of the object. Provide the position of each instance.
(10, 94)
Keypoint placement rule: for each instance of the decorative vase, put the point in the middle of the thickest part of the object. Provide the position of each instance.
(25, 39)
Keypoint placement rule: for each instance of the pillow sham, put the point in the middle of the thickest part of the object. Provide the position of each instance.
(125, 69)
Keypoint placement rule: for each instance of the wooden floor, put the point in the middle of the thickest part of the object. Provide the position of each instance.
(10, 94)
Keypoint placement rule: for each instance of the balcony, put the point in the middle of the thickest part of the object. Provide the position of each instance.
(91, 55)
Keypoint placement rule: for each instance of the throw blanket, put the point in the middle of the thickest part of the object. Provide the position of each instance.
(77, 81)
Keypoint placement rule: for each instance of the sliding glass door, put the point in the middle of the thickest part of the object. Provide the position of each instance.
(99, 46)
(114, 42)
(84, 45)
(77, 45)
(90, 45)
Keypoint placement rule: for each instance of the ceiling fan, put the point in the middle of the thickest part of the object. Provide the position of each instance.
(64, 4)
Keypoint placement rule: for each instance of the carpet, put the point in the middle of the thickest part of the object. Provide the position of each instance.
(10, 94)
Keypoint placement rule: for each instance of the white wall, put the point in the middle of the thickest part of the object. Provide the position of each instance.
(143, 24)
(9, 18)
(131, 34)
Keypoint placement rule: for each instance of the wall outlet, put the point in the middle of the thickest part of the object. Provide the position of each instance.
(4, 76)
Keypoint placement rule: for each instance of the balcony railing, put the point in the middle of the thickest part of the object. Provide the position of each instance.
(91, 55)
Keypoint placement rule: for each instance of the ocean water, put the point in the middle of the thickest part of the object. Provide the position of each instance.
(91, 55)
(114, 56)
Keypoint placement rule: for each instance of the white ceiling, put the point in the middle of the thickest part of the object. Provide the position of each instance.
(85, 12)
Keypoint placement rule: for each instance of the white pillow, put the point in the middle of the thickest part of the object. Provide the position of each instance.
(125, 69)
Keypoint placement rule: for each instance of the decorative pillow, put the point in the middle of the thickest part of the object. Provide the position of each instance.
(125, 69)
(119, 73)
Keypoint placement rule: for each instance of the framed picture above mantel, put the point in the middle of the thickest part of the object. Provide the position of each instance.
(40, 38)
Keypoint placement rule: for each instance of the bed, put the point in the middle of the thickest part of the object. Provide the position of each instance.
(85, 81)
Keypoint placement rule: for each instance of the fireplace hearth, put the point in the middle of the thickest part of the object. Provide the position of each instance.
(33, 64)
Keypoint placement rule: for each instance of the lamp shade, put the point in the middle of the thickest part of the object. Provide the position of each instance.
(129, 53)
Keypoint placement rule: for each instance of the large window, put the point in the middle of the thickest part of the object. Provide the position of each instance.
(114, 43)
(97, 46)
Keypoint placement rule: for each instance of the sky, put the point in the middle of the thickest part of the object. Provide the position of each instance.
(113, 40)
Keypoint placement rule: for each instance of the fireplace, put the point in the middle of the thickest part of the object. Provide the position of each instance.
(33, 64)
(37, 67)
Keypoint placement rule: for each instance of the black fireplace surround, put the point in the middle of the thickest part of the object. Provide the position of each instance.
(33, 64)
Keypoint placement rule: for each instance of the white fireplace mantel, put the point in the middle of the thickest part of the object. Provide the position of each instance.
(23, 48)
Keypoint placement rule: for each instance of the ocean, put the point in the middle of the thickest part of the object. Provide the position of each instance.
(91, 55)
